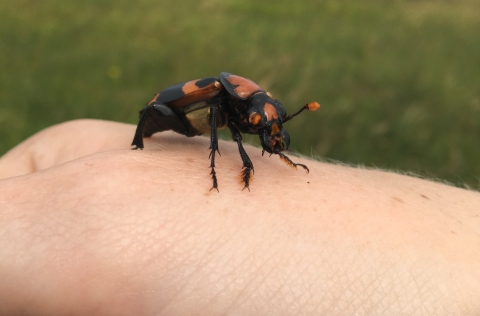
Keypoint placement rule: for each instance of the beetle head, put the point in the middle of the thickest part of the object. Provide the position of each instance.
(265, 117)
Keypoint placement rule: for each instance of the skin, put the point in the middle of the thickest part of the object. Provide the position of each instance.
(89, 227)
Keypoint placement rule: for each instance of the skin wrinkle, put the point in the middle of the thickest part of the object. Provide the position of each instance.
(373, 284)
(291, 277)
(217, 297)
(423, 291)
(338, 274)
(130, 242)
(171, 242)
(181, 289)
(424, 277)
(416, 297)
(301, 290)
(402, 277)
(353, 284)
(239, 264)
(264, 290)
(200, 264)
(304, 269)
(241, 297)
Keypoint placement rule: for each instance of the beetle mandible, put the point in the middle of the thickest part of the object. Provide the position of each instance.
(205, 105)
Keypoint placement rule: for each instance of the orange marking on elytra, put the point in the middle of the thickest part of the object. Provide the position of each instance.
(190, 86)
(195, 94)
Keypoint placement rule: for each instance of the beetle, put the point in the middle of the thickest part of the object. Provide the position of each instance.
(205, 105)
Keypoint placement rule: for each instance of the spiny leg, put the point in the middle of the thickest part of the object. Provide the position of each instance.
(138, 138)
(291, 163)
(213, 145)
(247, 163)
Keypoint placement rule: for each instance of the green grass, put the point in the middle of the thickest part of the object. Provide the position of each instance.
(399, 81)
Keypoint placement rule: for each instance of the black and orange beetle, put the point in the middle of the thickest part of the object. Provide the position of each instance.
(205, 105)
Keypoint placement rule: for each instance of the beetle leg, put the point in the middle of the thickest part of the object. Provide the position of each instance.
(213, 144)
(291, 163)
(138, 138)
(247, 163)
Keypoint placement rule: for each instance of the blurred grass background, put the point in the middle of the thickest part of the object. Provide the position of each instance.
(399, 81)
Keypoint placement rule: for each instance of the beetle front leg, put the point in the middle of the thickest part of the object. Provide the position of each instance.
(289, 162)
(247, 163)
(213, 145)
(138, 138)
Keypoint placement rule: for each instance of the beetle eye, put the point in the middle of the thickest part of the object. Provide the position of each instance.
(254, 118)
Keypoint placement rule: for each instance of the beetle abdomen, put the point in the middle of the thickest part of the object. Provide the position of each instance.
(198, 117)
(162, 118)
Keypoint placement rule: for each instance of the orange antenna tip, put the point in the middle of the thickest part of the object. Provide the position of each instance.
(313, 106)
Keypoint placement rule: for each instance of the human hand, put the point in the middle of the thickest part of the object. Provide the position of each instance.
(93, 228)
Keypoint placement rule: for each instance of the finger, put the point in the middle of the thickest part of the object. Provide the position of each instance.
(64, 142)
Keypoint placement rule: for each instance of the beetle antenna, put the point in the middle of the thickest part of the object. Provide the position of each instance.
(312, 106)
